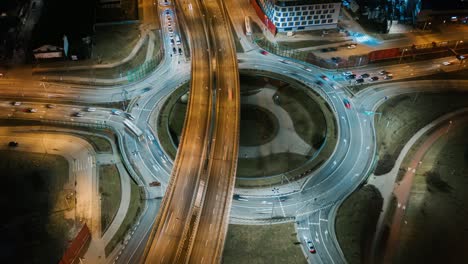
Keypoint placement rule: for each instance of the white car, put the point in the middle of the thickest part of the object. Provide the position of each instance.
(116, 112)
(16, 103)
(91, 109)
(446, 63)
(347, 73)
(32, 110)
(351, 46)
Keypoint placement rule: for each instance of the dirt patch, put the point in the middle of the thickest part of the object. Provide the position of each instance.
(262, 244)
(35, 228)
(111, 194)
(435, 229)
(356, 221)
(402, 116)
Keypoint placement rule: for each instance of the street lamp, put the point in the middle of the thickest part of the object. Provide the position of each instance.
(403, 53)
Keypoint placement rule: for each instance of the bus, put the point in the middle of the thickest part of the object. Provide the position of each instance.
(132, 127)
(177, 39)
(248, 30)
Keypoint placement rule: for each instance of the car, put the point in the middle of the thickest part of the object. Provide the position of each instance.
(388, 77)
(168, 18)
(91, 109)
(446, 63)
(32, 110)
(174, 50)
(332, 49)
(180, 51)
(383, 72)
(351, 46)
(311, 247)
(282, 61)
(324, 77)
(308, 69)
(51, 106)
(346, 103)
(154, 184)
(167, 11)
(320, 83)
(78, 114)
(325, 50)
(351, 77)
(347, 73)
(263, 52)
(172, 42)
(359, 80)
(373, 79)
(12, 144)
(115, 112)
(365, 75)
(170, 29)
(169, 24)
(171, 35)
(16, 103)
(336, 59)
(130, 116)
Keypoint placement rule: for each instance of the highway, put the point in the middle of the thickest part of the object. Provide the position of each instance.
(178, 213)
(208, 242)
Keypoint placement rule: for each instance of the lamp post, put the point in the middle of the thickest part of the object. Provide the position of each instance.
(402, 54)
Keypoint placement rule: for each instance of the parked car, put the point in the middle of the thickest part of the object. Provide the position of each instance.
(154, 183)
(383, 72)
(347, 73)
(12, 144)
(351, 46)
(351, 77)
(347, 103)
(373, 79)
(365, 75)
(180, 51)
(388, 76)
(360, 80)
(174, 50)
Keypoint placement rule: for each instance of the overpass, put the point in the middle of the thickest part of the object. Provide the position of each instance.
(192, 224)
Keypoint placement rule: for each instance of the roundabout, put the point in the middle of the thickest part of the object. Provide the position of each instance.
(287, 129)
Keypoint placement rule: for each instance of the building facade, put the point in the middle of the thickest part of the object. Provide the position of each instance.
(300, 15)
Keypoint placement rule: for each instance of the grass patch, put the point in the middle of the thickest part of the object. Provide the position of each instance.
(100, 144)
(402, 116)
(134, 210)
(269, 165)
(111, 194)
(38, 211)
(255, 244)
(258, 126)
(436, 213)
(356, 221)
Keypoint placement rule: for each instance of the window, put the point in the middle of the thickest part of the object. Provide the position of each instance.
(324, 21)
(290, 23)
(282, 19)
(285, 14)
(297, 8)
(310, 22)
(309, 17)
(315, 17)
(283, 9)
(330, 6)
(304, 8)
(305, 13)
(322, 16)
(296, 18)
(316, 22)
(298, 13)
(317, 7)
(277, 24)
(289, 19)
(291, 13)
(303, 23)
(330, 20)
(324, 6)
(328, 16)
(312, 12)
(319, 12)
(290, 9)
(325, 11)
(297, 23)
(332, 11)
(277, 8)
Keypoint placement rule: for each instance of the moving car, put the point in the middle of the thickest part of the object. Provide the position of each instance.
(91, 109)
(324, 77)
(351, 46)
(13, 144)
(373, 79)
(263, 52)
(32, 110)
(346, 103)
(446, 63)
(320, 83)
(50, 106)
(16, 103)
(115, 112)
(78, 114)
(130, 116)
(311, 247)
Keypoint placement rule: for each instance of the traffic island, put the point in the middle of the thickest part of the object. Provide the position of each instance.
(287, 129)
